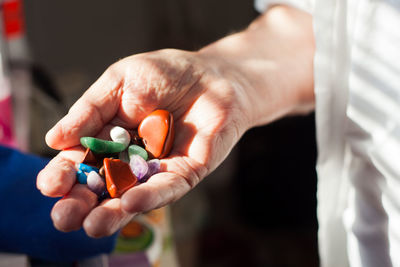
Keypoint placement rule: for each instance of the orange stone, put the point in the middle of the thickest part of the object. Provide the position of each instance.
(157, 132)
(119, 177)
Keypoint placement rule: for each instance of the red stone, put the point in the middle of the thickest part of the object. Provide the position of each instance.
(119, 177)
(95, 160)
(157, 132)
(89, 157)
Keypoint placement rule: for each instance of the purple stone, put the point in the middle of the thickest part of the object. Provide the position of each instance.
(139, 166)
(154, 167)
(95, 183)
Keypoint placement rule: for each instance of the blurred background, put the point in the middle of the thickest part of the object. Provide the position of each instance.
(259, 207)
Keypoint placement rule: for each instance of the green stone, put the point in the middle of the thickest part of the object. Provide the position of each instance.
(100, 146)
(138, 150)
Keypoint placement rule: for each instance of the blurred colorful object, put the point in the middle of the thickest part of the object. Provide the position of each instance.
(6, 124)
(15, 77)
(146, 241)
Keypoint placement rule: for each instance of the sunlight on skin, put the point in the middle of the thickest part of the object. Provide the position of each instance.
(213, 101)
(183, 172)
(69, 213)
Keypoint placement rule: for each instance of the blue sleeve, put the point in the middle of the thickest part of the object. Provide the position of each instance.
(25, 224)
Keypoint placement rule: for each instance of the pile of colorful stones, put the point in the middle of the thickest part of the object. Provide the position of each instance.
(110, 168)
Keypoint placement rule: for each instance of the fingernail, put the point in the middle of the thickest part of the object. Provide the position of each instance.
(49, 136)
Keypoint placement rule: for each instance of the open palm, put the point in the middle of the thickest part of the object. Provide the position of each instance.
(207, 105)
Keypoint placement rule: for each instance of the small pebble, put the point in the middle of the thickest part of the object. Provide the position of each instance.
(100, 146)
(87, 168)
(101, 171)
(120, 135)
(95, 182)
(137, 150)
(81, 177)
(139, 166)
(157, 132)
(154, 167)
(89, 157)
(119, 168)
(119, 177)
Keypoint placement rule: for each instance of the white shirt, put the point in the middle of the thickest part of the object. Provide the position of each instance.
(357, 88)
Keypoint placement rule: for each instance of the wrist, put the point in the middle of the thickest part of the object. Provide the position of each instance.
(226, 75)
(272, 61)
(257, 83)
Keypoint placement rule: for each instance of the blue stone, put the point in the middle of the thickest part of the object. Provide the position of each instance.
(81, 177)
(87, 168)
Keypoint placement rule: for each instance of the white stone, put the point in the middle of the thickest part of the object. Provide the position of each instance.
(120, 135)
(95, 182)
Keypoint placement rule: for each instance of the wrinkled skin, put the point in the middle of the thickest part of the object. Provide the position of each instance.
(213, 100)
(205, 110)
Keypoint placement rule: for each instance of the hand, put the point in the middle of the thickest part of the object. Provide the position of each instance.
(209, 115)
(243, 80)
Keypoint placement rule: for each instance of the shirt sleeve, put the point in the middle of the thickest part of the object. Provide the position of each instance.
(305, 5)
(25, 224)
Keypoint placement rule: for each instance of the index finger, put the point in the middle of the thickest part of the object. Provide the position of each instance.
(90, 113)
